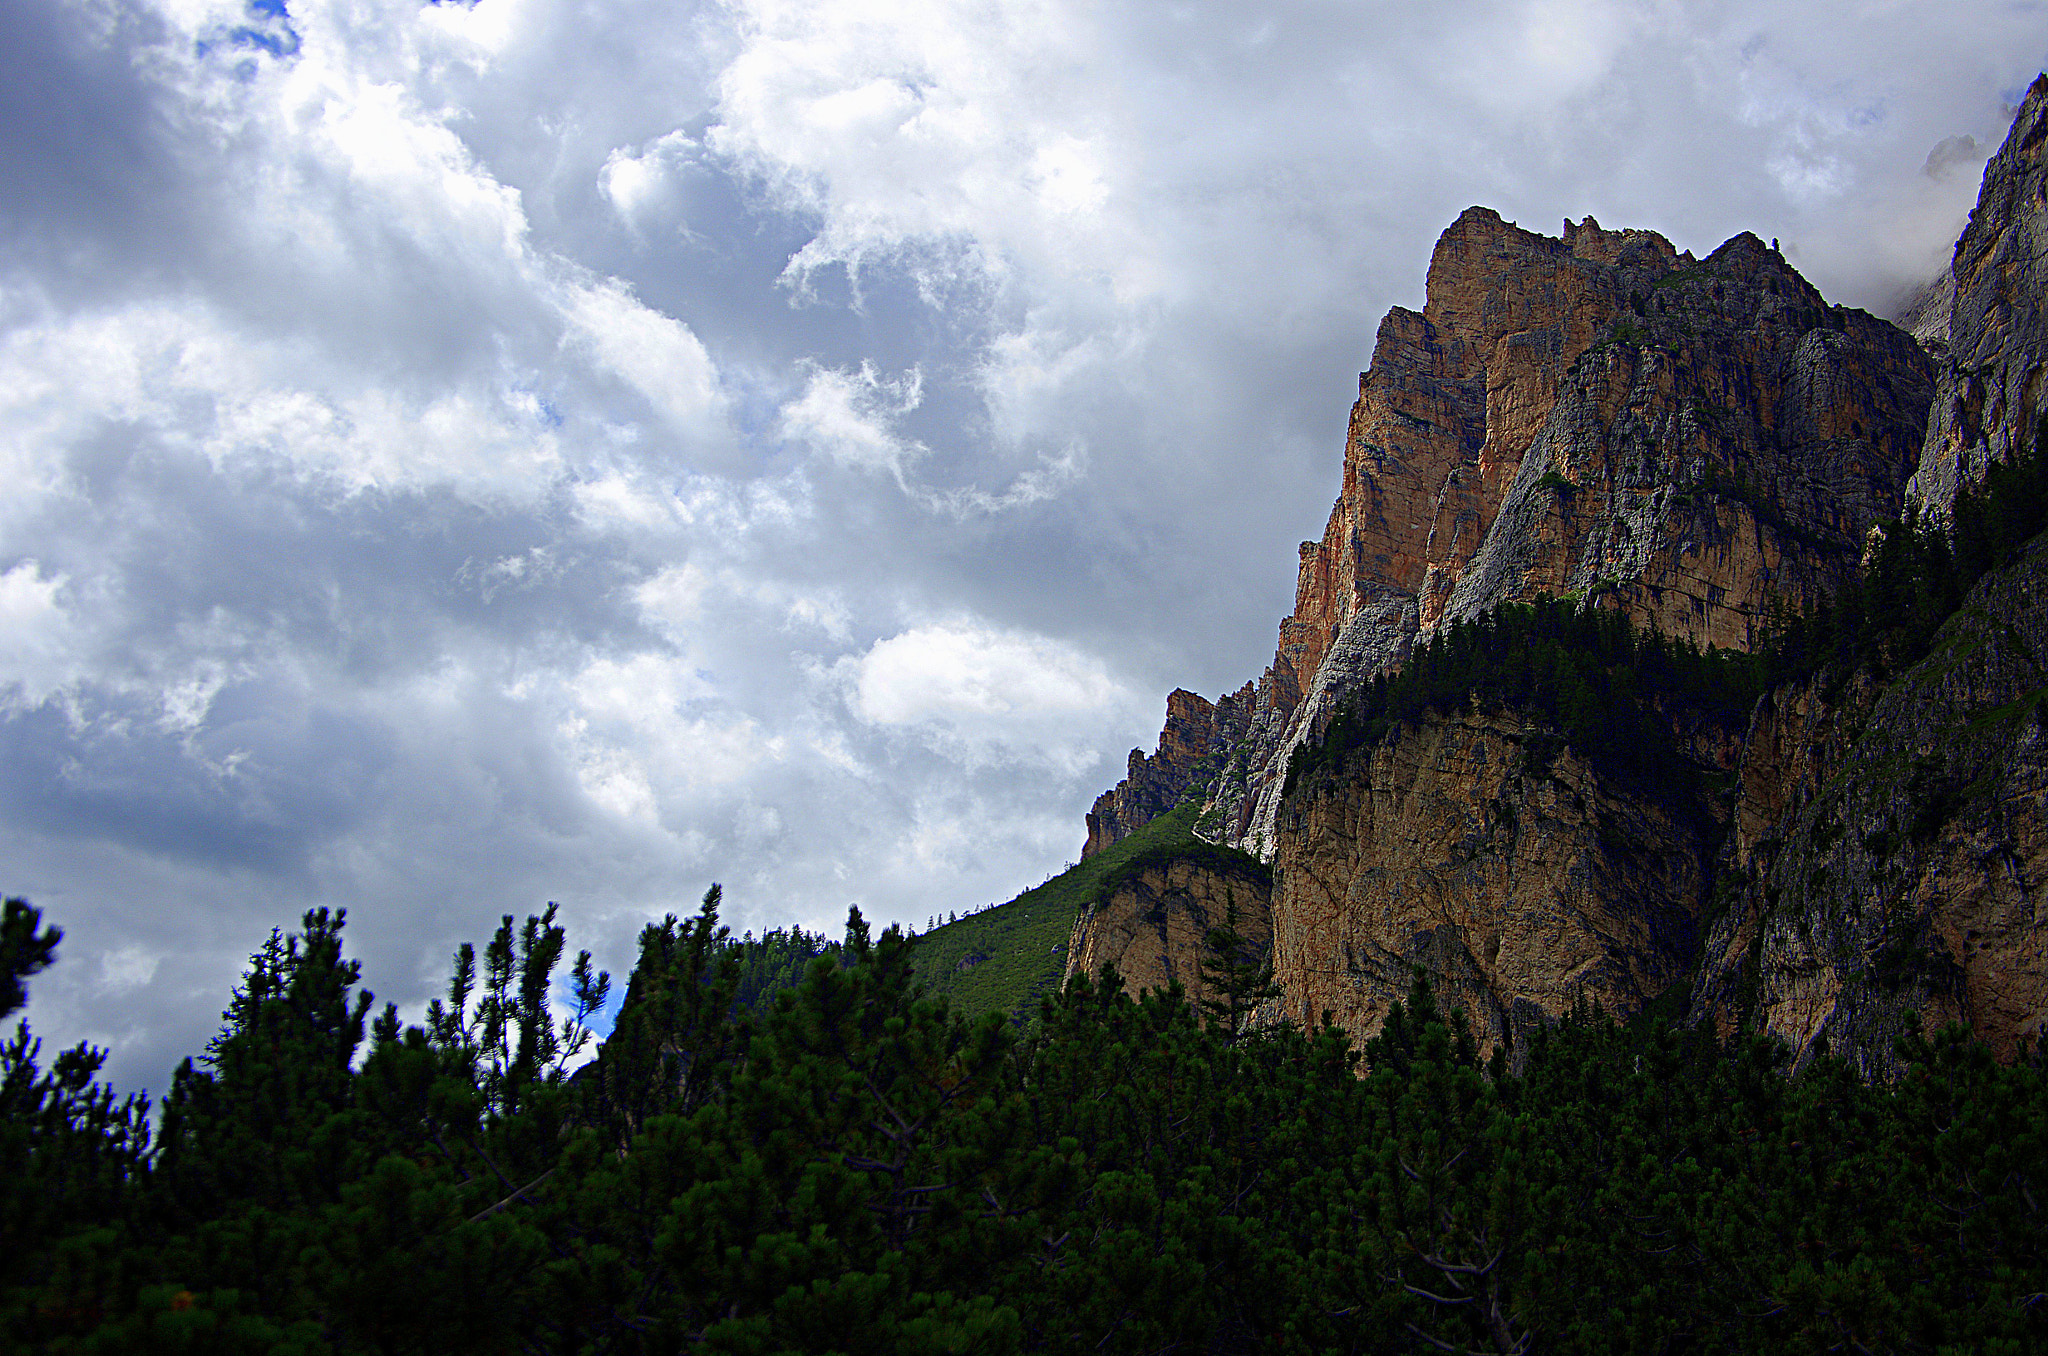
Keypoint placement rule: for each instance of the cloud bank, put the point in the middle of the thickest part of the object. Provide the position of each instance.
(466, 456)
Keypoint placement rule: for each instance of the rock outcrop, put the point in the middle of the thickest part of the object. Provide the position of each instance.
(1728, 447)
(1197, 736)
(1889, 865)
(1517, 875)
(1693, 443)
(1690, 440)
(1151, 924)
(1989, 382)
(1454, 395)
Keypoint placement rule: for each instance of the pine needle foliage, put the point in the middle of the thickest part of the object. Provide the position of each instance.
(854, 1165)
(1615, 694)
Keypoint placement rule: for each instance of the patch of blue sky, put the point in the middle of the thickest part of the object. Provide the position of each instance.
(755, 408)
(599, 1022)
(542, 410)
(269, 31)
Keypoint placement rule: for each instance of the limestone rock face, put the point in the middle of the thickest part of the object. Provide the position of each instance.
(1688, 441)
(1152, 926)
(1522, 882)
(1197, 735)
(1924, 313)
(1894, 846)
(1730, 445)
(1989, 383)
(1451, 400)
(1596, 415)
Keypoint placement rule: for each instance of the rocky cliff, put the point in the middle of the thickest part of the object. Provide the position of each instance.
(1197, 737)
(1992, 344)
(1892, 845)
(1597, 414)
(1519, 877)
(1691, 443)
(1152, 920)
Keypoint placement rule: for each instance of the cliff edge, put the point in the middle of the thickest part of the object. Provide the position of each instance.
(1698, 446)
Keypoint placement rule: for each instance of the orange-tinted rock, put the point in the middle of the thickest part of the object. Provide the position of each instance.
(1153, 925)
(1728, 445)
(1520, 884)
(1690, 441)
(1597, 415)
(1197, 735)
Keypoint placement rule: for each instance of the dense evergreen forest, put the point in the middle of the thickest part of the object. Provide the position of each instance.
(849, 1166)
(786, 1144)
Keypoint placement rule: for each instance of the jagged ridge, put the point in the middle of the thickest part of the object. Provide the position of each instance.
(1694, 443)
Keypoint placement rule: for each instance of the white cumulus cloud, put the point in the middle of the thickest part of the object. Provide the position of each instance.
(987, 693)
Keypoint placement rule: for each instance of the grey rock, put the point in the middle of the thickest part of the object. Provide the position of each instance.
(1988, 391)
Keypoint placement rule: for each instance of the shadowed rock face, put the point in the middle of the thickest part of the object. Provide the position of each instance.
(1990, 372)
(1892, 846)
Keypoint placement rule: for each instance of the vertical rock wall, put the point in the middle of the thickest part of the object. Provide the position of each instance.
(1687, 440)
(1690, 442)
(1520, 879)
(1152, 924)
(1892, 851)
(1990, 375)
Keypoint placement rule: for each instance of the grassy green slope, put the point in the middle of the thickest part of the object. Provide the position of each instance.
(1022, 945)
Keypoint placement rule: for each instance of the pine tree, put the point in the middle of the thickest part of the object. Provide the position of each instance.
(73, 1156)
(1237, 975)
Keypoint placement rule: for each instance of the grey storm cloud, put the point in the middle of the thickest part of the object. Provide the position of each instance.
(88, 161)
(461, 457)
(1951, 153)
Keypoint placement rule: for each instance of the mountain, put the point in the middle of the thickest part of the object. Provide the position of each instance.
(1700, 448)
(1994, 344)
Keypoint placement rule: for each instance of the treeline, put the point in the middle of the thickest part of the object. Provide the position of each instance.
(776, 960)
(1618, 696)
(1611, 692)
(853, 1167)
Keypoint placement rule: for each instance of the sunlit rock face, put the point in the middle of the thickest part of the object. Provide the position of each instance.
(1596, 414)
(1152, 927)
(1518, 877)
(1730, 446)
(1689, 441)
(1860, 859)
(1992, 340)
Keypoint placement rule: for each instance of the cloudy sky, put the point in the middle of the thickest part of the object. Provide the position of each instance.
(463, 457)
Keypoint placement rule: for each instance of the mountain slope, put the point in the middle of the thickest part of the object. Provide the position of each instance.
(1002, 958)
